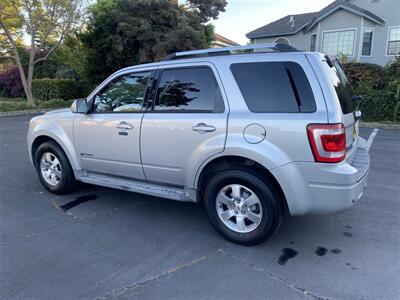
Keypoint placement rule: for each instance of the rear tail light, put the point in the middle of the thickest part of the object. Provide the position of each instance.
(328, 142)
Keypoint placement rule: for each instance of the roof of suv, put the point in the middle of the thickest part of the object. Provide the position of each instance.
(216, 53)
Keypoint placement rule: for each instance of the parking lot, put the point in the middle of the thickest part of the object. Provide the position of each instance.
(99, 243)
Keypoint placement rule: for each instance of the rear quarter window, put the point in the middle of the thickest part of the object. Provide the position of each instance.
(343, 88)
(274, 87)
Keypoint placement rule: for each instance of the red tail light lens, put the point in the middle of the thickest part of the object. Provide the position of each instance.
(328, 142)
(333, 143)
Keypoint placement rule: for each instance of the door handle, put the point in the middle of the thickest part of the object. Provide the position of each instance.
(203, 128)
(125, 126)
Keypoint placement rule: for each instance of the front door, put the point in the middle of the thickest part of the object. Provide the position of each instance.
(107, 138)
(186, 125)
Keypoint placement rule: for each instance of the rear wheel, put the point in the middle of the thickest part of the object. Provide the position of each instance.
(242, 206)
(54, 170)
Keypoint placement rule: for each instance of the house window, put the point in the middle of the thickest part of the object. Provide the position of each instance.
(339, 42)
(393, 47)
(313, 42)
(282, 41)
(367, 42)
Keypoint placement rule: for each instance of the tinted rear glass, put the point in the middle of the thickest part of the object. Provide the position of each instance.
(274, 87)
(189, 90)
(342, 86)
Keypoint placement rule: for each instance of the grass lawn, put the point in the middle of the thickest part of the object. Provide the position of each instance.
(15, 104)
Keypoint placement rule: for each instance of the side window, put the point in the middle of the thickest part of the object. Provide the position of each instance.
(274, 87)
(313, 42)
(367, 42)
(393, 45)
(123, 94)
(189, 90)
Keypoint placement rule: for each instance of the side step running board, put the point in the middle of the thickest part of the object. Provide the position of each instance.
(140, 187)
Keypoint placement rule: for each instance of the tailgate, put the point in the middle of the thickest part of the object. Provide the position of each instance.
(360, 158)
(344, 93)
(352, 131)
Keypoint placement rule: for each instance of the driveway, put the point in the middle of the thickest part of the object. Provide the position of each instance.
(99, 243)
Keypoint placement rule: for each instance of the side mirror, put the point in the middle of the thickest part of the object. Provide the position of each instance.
(80, 106)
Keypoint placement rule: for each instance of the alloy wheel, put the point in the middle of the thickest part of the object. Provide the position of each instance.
(239, 208)
(50, 168)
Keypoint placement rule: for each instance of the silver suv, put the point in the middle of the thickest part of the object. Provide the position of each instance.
(251, 132)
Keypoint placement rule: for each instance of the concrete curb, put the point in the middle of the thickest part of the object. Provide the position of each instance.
(25, 112)
(380, 125)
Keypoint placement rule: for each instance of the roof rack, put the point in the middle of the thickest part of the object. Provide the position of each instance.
(258, 48)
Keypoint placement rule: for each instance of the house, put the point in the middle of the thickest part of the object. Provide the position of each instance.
(362, 30)
(220, 41)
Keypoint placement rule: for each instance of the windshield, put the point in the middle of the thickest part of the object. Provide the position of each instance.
(342, 86)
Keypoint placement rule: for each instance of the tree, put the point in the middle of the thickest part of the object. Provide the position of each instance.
(206, 9)
(121, 33)
(45, 22)
(66, 62)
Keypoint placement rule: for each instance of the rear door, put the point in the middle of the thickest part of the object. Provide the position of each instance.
(186, 124)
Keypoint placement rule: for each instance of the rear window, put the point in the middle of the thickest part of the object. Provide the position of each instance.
(274, 87)
(342, 86)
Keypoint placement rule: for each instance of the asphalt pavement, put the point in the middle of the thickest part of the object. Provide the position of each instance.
(99, 243)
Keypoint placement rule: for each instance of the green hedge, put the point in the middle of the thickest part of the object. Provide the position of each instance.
(22, 104)
(379, 88)
(47, 88)
(364, 72)
(378, 104)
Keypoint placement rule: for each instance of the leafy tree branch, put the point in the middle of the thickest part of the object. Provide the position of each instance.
(45, 22)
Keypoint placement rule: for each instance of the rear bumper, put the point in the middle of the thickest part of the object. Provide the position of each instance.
(316, 188)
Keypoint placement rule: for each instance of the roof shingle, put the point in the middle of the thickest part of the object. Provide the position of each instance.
(346, 5)
(283, 26)
(307, 21)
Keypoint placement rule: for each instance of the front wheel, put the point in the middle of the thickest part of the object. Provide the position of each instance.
(54, 170)
(242, 206)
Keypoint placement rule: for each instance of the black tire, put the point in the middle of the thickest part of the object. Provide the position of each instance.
(67, 182)
(264, 190)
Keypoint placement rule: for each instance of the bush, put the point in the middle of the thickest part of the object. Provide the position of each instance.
(46, 89)
(379, 88)
(364, 72)
(13, 106)
(10, 84)
(85, 88)
(53, 68)
(392, 71)
(55, 103)
(22, 104)
(377, 105)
